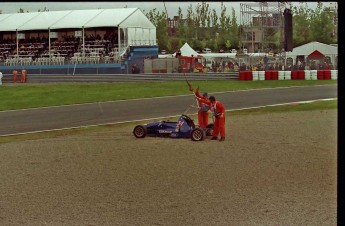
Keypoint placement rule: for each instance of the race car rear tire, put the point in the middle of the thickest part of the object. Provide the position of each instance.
(140, 131)
(198, 134)
(209, 129)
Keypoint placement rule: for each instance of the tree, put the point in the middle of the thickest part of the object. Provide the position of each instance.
(160, 21)
(301, 25)
(321, 25)
(203, 27)
(223, 27)
(181, 32)
(228, 44)
(196, 20)
(234, 30)
(190, 23)
(214, 19)
(204, 21)
(312, 25)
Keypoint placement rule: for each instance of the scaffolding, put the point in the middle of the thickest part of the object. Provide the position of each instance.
(334, 10)
(262, 26)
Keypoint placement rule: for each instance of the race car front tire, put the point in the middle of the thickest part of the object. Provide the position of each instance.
(140, 131)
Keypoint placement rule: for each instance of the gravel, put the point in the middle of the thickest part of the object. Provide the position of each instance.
(273, 169)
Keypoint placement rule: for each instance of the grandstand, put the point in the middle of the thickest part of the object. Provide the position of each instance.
(87, 41)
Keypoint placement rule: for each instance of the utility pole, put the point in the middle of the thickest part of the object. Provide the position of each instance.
(167, 19)
(334, 10)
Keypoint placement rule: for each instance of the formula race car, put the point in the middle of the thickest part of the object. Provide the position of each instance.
(183, 128)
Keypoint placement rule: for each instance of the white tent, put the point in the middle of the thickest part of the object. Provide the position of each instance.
(310, 48)
(186, 50)
(13, 21)
(137, 28)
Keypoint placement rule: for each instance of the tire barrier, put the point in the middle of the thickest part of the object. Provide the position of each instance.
(294, 75)
(300, 75)
(274, 75)
(307, 75)
(255, 75)
(281, 75)
(320, 75)
(268, 75)
(289, 75)
(249, 75)
(327, 74)
(242, 75)
(313, 74)
(334, 74)
(261, 75)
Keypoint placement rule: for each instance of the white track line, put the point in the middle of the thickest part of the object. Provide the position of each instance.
(111, 101)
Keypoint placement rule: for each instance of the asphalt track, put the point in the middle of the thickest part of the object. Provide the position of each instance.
(81, 115)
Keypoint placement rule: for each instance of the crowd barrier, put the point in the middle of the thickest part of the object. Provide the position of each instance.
(289, 75)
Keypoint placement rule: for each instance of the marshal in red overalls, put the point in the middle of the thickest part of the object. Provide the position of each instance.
(219, 112)
(202, 109)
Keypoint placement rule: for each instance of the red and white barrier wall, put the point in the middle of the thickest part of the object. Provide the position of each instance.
(289, 75)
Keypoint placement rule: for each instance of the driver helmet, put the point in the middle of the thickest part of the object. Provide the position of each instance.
(212, 99)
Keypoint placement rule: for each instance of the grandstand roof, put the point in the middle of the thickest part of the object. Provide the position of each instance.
(124, 17)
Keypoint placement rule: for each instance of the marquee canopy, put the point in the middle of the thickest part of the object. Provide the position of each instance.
(309, 48)
(314, 50)
(124, 17)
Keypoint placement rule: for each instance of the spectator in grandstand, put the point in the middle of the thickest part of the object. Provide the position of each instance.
(312, 66)
(222, 65)
(265, 62)
(280, 67)
(236, 66)
(178, 53)
(243, 67)
(295, 67)
(331, 66)
(231, 64)
(301, 65)
(306, 66)
(213, 66)
(5, 55)
(326, 65)
(135, 69)
(260, 67)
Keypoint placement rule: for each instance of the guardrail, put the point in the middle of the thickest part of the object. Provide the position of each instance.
(38, 78)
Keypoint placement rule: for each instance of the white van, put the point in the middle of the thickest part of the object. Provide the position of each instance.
(208, 63)
(206, 50)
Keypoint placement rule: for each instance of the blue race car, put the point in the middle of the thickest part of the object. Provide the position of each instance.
(183, 128)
